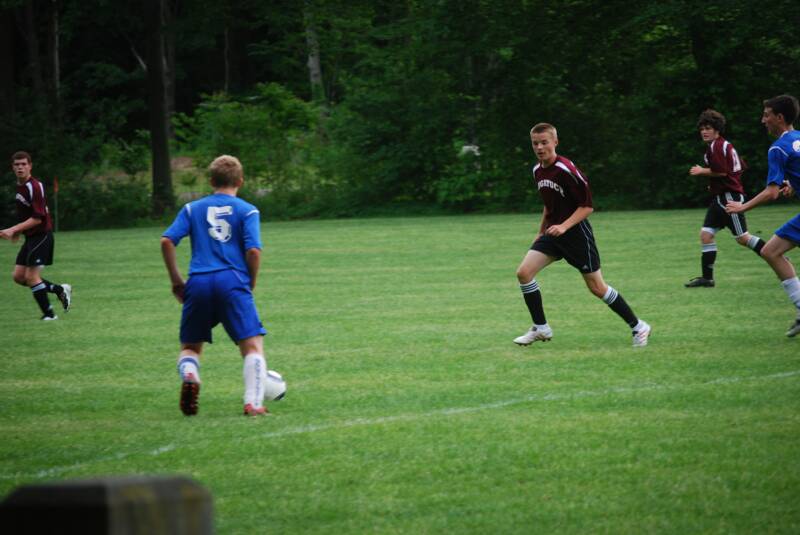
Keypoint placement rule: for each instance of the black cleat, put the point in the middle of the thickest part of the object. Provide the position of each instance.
(700, 282)
(190, 392)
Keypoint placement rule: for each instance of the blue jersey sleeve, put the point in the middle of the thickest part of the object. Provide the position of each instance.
(777, 165)
(181, 227)
(252, 229)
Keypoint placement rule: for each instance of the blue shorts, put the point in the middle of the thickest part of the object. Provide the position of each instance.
(220, 296)
(790, 230)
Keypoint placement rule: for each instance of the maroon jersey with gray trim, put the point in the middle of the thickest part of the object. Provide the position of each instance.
(721, 157)
(31, 202)
(563, 188)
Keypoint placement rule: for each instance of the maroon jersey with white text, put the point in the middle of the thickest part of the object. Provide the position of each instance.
(563, 188)
(31, 202)
(721, 157)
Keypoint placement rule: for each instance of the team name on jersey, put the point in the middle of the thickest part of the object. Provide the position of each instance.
(550, 184)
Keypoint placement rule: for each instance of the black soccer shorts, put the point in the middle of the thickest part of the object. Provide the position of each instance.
(37, 250)
(717, 217)
(576, 246)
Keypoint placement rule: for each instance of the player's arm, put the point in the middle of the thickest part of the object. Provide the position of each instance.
(10, 232)
(253, 258)
(698, 170)
(580, 213)
(542, 223)
(768, 194)
(171, 262)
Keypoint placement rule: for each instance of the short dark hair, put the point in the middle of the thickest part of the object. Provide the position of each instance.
(712, 118)
(21, 155)
(785, 105)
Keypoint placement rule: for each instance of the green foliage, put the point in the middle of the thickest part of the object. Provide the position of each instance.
(108, 203)
(407, 84)
(270, 131)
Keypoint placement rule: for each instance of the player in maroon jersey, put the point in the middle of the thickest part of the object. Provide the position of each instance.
(37, 250)
(565, 232)
(724, 173)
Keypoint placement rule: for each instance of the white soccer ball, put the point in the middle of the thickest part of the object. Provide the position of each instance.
(275, 387)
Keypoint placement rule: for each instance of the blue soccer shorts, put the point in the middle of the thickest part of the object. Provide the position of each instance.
(219, 297)
(790, 230)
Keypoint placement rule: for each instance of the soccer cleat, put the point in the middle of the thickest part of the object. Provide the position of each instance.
(249, 410)
(641, 336)
(534, 334)
(190, 392)
(700, 282)
(65, 296)
(794, 330)
(49, 318)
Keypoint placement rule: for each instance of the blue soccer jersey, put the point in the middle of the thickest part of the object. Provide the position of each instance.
(222, 228)
(784, 160)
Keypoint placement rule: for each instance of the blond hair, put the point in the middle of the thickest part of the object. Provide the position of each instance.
(226, 172)
(540, 128)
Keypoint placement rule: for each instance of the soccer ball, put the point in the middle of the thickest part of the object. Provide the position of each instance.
(275, 387)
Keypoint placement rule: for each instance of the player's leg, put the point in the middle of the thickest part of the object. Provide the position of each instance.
(737, 223)
(786, 238)
(33, 280)
(615, 301)
(715, 219)
(44, 255)
(254, 372)
(189, 371)
(533, 263)
(197, 320)
(239, 316)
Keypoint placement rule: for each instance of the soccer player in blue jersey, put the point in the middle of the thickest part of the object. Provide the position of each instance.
(783, 178)
(226, 254)
(565, 232)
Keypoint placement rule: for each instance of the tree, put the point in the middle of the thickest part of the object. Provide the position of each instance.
(163, 197)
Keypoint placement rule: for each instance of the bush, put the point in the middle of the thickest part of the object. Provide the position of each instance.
(94, 203)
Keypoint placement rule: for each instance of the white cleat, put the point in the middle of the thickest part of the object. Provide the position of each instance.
(641, 336)
(66, 297)
(794, 330)
(543, 334)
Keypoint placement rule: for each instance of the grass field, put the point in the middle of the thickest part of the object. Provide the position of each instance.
(409, 409)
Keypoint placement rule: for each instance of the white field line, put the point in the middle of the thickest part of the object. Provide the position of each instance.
(380, 420)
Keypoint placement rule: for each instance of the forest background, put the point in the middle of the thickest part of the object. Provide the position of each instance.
(379, 107)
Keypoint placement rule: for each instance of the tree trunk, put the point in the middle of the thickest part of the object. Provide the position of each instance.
(169, 14)
(163, 197)
(314, 67)
(32, 40)
(7, 41)
(53, 61)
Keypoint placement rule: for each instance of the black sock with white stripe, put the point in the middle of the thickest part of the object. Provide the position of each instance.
(52, 287)
(616, 303)
(533, 299)
(756, 244)
(40, 295)
(707, 260)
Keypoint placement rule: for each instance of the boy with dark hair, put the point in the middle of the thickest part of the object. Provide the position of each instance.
(783, 178)
(724, 173)
(565, 232)
(226, 254)
(37, 250)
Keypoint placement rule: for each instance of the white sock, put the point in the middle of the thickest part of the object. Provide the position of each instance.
(792, 289)
(188, 364)
(255, 379)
